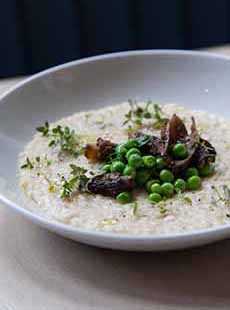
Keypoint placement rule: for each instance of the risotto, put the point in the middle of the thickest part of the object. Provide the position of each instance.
(62, 169)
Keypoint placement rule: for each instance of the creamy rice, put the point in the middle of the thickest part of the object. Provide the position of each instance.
(190, 211)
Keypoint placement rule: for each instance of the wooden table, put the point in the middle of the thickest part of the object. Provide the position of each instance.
(42, 271)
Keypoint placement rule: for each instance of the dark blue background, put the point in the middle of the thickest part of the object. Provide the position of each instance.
(37, 34)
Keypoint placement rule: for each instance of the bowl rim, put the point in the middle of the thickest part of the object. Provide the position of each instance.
(115, 236)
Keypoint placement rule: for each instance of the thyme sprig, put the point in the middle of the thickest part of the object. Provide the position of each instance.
(163, 211)
(136, 207)
(63, 137)
(28, 164)
(160, 120)
(184, 198)
(223, 195)
(137, 114)
(44, 129)
(78, 181)
(35, 162)
(66, 139)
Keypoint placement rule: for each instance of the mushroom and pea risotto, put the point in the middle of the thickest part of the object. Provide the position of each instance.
(136, 167)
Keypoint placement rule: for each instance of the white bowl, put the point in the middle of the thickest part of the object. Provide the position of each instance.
(194, 79)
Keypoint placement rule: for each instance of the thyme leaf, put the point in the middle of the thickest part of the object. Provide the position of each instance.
(226, 190)
(163, 211)
(187, 199)
(63, 137)
(137, 114)
(78, 181)
(160, 120)
(68, 187)
(184, 198)
(44, 129)
(38, 159)
(135, 208)
(28, 164)
(223, 196)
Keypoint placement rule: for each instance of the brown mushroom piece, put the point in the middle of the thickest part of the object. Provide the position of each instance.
(110, 184)
(205, 153)
(149, 144)
(173, 131)
(100, 150)
(200, 151)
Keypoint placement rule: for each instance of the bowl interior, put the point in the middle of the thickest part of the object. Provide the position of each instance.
(192, 79)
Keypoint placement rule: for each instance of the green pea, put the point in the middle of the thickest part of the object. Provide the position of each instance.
(160, 163)
(191, 172)
(150, 183)
(129, 171)
(118, 166)
(166, 176)
(142, 176)
(156, 188)
(149, 161)
(167, 189)
(124, 197)
(106, 168)
(194, 182)
(132, 151)
(154, 197)
(135, 160)
(131, 143)
(180, 151)
(180, 185)
(206, 170)
(121, 149)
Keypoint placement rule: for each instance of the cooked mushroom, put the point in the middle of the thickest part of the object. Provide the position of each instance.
(200, 151)
(91, 152)
(100, 150)
(205, 153)
(173, 131)
(105, 148)
(110, 184)
(150, 144)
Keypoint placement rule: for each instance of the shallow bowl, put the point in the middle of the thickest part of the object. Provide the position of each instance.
(194, 79)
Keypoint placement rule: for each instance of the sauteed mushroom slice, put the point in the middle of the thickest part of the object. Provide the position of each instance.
(100, 150)
(110, 184)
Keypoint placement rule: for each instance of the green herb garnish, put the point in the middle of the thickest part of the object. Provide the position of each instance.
(77, 182)
(184, 198)
(163, 211)
(223, 196)
(44, 129)
(135, 208)
(48, 162)
(158, 116)
(68, 186)
(137, 114)
(28, 164)
(64, 137)
(38, 159)
(109, 221)
(187, 199)
(226, 191)
(219, 195)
